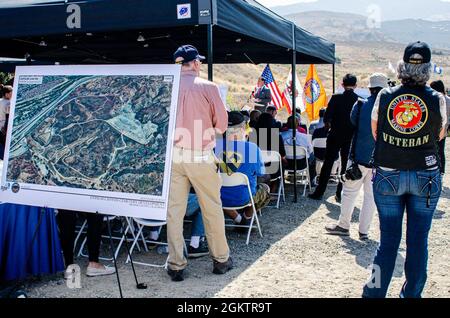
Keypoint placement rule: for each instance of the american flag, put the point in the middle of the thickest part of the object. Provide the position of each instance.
(277, 97)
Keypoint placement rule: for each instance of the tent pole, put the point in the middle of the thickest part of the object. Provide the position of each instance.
(210, 51)
(294, 108)
(334, 78)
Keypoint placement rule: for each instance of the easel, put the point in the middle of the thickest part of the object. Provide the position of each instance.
(111, 245)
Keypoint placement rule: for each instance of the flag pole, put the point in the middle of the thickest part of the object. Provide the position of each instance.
(294, 108)
(312, 93)
(334, 78)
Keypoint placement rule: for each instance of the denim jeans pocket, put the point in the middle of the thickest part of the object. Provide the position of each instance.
(387, 182)
(429, 183)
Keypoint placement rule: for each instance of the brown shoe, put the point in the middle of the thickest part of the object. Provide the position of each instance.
(337, 230)
(222, 268)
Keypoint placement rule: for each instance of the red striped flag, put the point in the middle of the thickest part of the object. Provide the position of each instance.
(278, 98)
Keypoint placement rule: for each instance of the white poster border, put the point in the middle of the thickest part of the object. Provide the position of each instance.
(104, 202)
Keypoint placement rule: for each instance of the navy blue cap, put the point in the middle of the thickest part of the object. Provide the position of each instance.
(417, 53)
(235, 118)
(188, 53)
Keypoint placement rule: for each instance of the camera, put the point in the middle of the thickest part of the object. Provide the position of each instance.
(352, 173)
(392, 83)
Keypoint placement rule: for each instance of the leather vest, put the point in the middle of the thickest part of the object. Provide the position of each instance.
(409, 123)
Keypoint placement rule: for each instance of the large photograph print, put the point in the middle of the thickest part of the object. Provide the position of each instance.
(92, 138)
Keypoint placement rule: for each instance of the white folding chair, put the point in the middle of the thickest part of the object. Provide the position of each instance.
(238, 179)
(81, 231)
(321, 143)
(141, 223)
(273, 157)
(302, 176)
(120, 239)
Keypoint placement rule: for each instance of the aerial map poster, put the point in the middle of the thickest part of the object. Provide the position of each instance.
(92, 138)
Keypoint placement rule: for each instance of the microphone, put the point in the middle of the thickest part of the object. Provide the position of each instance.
(250, 97)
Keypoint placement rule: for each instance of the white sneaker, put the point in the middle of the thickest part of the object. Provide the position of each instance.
(105, 270)
(68, 274)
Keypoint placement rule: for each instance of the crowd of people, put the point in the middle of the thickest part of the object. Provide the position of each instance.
(390, 145)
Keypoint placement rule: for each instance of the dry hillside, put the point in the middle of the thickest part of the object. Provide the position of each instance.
(360, 58)
(359, 50)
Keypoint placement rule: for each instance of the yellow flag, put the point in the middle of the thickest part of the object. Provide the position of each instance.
(314, 94)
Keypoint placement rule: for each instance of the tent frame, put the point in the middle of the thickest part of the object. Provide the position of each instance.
(209, 17)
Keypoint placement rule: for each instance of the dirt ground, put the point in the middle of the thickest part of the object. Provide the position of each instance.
(295, 258)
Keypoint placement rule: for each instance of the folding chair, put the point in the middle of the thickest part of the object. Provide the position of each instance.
(81, 231)
(141, 223)
(303, 177)
(238, 179)
(320, 146)
(275, 157)
(120, 239)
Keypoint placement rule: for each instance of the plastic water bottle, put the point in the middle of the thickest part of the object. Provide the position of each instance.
(162, 249)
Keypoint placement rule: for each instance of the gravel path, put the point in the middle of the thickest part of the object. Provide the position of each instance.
(294, 259)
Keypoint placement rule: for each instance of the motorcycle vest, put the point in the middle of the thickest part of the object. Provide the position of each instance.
(409, 123)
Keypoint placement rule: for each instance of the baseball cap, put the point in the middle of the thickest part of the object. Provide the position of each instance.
(235, 118)
(187, 53)
(378, 80)
(417, 53)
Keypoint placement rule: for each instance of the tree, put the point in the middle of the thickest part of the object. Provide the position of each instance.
(5, 78)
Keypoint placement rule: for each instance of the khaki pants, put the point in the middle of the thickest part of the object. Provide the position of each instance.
(196, 168)
(350, 193)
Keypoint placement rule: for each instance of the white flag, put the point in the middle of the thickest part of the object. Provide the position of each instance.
(299, 93)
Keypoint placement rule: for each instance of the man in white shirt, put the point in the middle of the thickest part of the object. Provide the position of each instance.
(4, 105)
(4, 114)
(301, 140)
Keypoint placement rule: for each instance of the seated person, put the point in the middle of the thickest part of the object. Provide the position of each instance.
(254, 116)
(321, 133)
(66, 221)
(302, 140)
(272, 111)
(198, 246)
(300, 128)
(238, 155)
(319, 124)
(267, 136)
(246, 114)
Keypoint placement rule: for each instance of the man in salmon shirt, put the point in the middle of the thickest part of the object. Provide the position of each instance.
(201, 115)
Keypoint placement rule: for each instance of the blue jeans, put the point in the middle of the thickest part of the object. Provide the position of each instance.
(394, 191)
(193, 212)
